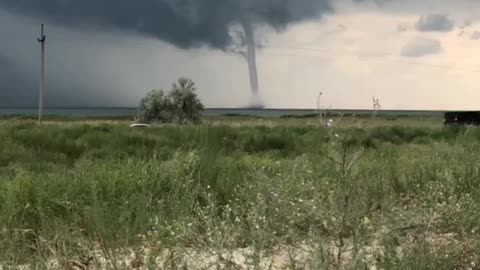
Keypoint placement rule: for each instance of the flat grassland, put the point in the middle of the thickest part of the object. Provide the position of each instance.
(239, 193)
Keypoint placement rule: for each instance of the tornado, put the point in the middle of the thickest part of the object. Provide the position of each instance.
(186, 24)
(256, 101)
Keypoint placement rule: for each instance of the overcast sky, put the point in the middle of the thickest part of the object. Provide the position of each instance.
(411, 54)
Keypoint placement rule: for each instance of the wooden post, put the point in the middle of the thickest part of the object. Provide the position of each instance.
(42, 77)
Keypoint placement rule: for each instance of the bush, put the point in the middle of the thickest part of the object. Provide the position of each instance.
(180, 105)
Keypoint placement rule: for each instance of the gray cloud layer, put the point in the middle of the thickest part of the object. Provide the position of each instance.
(434, 23)
(185, 23)
(419, 46)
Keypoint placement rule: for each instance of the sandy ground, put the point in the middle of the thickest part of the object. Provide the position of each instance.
(301, 256)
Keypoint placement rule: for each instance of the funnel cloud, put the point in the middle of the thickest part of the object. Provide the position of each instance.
(183, 23)
(252, 63)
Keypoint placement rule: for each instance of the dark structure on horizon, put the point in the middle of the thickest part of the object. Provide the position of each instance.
(462, 118)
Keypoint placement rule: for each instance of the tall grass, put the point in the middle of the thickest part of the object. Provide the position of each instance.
(69, 190)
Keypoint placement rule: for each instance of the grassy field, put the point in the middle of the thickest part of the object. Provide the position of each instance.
(239, 193)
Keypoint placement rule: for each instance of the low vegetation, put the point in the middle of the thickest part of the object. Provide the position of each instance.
(105, 196)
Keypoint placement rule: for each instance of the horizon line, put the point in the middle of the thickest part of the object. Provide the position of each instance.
(234, 108)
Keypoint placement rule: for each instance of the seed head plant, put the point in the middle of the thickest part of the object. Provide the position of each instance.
(345, 153)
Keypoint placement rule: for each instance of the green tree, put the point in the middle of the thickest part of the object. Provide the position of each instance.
(181, 105)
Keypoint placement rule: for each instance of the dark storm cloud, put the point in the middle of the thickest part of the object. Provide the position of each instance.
(68, 78)
(184, 23)
(434, 23)
(5, 63)
(419, 46)
(12, 87)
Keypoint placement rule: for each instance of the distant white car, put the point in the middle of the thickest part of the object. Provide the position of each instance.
(140, 126)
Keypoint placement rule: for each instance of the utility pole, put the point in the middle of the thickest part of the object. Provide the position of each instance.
(42, 77)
